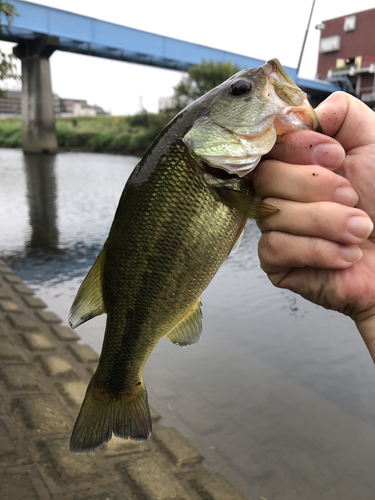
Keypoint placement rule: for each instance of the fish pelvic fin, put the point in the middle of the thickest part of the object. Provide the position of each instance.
(189, 330)
(103, 413)
(88, 302)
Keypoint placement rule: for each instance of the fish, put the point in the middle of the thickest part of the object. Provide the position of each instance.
(180, 215)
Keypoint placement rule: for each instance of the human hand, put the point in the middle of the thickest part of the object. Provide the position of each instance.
(319, 245)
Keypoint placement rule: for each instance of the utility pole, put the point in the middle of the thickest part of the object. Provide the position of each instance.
(305, 37)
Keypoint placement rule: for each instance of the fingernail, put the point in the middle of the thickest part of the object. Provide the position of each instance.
(361, 227)
(345, 196)
(350, 254)
(329, 155)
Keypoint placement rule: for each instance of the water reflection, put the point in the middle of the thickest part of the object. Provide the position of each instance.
(41, 196)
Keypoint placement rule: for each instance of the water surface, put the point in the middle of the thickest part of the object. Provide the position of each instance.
(279, 395)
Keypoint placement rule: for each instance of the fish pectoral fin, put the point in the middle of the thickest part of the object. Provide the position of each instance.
(88, 302)
(189, 330)
(253, 208)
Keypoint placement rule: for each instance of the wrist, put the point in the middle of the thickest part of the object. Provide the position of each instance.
(365, 323)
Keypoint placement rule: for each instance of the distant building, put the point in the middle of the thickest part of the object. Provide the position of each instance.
(347, 53)
(165, 103)
(169, 102)
(11, 106)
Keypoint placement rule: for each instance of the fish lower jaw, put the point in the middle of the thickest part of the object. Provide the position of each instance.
(239, 166)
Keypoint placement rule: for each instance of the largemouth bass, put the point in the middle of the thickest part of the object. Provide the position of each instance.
(181, 213)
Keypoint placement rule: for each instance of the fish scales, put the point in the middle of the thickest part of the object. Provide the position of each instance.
(174, 227)
(182, 211)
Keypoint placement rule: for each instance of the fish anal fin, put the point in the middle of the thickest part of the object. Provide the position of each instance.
(189, 330)
(103, 414)
(88, 302)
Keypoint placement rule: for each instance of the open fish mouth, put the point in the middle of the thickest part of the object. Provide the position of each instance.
(296, 113)
(237, 148)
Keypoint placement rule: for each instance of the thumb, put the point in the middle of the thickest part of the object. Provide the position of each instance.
(347, 119)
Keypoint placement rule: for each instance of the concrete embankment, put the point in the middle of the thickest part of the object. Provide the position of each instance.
(44, 373)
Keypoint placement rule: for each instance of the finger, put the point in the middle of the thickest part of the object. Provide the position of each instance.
(308, 148)
(347, 119)
(304, 183)
(279, 252)
(327, 220)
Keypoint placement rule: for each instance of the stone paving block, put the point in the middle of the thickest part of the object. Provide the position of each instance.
(73, 392)
(55, 366)
(9, 306)
(23, 322)
(38, 342)
(6, 444)
(176, 446)
(103, 496)
(155, 415)
(4, 268)
(8, 352)
(69, 466)
(3, 334)
(12, 278)
(42, 414)
(20, 377)
(17, 487)
(23, 290)
(216, 487)
(34, 302)
(4, 294)
(64, 333)
(48, 317)
(118, 446)
(83, 353)
(155, 481)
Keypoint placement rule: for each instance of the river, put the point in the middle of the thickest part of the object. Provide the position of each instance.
(279, 395)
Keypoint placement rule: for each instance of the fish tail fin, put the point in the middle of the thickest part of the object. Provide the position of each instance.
(103, 413)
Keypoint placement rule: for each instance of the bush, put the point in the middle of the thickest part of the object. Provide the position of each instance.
(125, 134)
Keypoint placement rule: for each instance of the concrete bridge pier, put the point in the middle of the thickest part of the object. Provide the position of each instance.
(38, 117)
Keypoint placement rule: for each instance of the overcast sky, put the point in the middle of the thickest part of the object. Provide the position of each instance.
(258, 29)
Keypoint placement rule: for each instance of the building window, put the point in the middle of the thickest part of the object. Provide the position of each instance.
(330, 44)
(349, 23)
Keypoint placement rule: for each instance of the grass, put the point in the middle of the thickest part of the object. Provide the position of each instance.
(110, 134)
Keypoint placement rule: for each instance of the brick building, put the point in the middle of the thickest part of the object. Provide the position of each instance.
(347, 53)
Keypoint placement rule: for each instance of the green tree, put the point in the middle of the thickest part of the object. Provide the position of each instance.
(8, 69)
(202, 78)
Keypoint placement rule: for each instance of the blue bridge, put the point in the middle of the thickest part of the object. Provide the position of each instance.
(40, 30)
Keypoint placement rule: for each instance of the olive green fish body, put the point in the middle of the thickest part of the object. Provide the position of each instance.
(181, 212)
(160, 257)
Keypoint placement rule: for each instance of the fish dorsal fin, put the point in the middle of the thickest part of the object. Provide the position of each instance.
(88, 302)
(189, 330)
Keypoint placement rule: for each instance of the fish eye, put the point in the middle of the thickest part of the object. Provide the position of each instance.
(240, 87)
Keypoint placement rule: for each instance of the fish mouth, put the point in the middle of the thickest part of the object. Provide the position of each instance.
(237, 148)
(253, 147)
(296, 113)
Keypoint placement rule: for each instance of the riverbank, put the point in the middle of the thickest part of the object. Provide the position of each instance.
(44, 373)
(128, 135)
